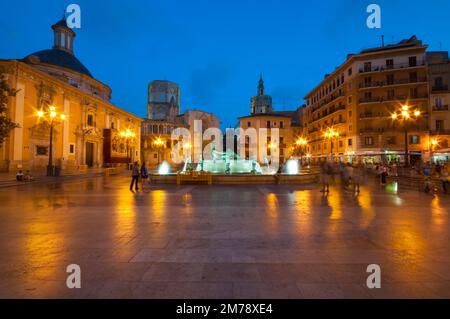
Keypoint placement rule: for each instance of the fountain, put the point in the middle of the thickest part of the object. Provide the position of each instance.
(225, 163)
(164, 168)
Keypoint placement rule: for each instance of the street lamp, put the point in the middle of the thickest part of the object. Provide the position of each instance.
(158, 143)
(301, 142)
(52, 117)
(127, 135)
(330, 134)
(405, 114)
(434, 142)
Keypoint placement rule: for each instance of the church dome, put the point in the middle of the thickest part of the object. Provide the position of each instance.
(58, 58)
(62, 52)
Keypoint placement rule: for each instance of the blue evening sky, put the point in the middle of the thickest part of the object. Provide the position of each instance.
(215, 50)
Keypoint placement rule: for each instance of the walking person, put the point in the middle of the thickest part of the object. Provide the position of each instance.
(383, 175)
(445, 179)
(134, 176)
(357, 176)
(324, 168)
(348, 175)
(144, 175)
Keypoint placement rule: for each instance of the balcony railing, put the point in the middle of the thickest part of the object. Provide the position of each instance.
(381, 68)
(373, 84)
(440, 107)
(440, 132)
(439, 88)
(391, 98)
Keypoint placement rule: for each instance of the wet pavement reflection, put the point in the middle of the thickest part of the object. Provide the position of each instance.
(222, 241)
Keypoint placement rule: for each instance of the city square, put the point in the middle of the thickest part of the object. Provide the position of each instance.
(221, 241)
(237, 150)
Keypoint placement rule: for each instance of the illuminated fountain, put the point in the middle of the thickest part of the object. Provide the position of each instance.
(164, 168)
(228, 163)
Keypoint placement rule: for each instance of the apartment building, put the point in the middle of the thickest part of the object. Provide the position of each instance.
(356, 103)
(439, 120)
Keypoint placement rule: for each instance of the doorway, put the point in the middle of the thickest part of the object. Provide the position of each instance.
(89, 154)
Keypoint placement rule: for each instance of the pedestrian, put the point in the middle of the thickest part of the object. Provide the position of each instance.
(357, 176)
(348, 173)
(324, 168)
(134, 176)
(28, 177)
(426, 172)
(144, 175)
(383, 175)
(445, 179)
(19, 176)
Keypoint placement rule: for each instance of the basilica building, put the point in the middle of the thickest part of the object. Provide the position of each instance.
(56, 94)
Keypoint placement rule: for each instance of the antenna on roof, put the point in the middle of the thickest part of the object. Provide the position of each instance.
(382, 40)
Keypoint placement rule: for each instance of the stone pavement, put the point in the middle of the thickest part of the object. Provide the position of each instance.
(218, 241)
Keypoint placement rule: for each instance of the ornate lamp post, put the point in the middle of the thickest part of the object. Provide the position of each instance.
(127, 134)
(330, 134)
(404, 115)
(434, 142)
(301, 142)
(52, 117)
(159, 143)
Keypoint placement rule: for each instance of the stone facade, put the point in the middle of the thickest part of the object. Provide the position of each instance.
(55, 78)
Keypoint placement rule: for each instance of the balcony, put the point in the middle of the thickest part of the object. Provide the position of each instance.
(439, 88)
(397, 66)
(377, 84)
(380, 99)
(328, 100)
(440, 108)
(440, 132)
(371, 115)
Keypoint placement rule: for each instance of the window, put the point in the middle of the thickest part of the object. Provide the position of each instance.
(155, 155)
(112, 125)
(439, 125)
(71, 149)
(413, 77)
(350, 142)
(413, 93)
(341, 144)
(414, 139)
(168, 144)
(391, 140)
(268, 124)
(41, 150)
(390, 79)
(390, 94)
(438, 83)
(349, 100)
(390, 63)
(281, 151)
(90, 120)
(281, 124)
(367, 81)
(438, 102)
(249, 124)
(368, 140)
(350, 128)
(412, 61)
(349, 113)
(350, 71)
(367, 66)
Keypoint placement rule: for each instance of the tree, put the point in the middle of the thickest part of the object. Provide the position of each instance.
(6, 124)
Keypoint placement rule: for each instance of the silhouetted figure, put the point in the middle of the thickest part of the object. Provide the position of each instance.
(134, 176)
